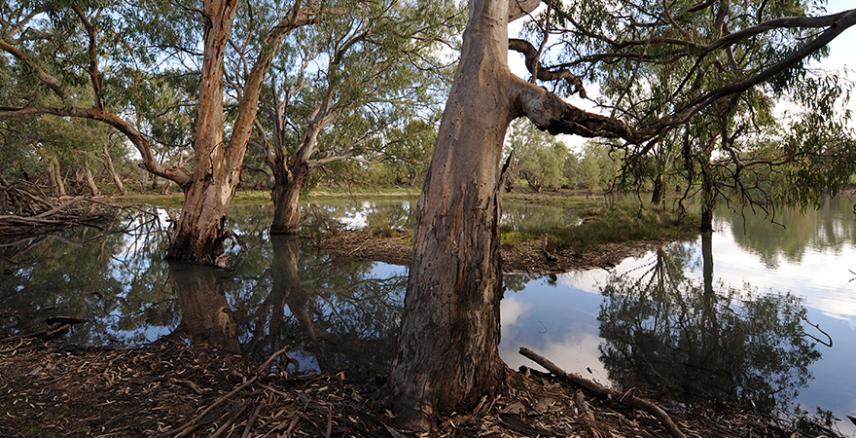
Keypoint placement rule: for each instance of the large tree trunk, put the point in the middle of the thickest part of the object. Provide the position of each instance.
(286, 201)
(199, 233)
(90, 182)
(117, 180)
(448, 356)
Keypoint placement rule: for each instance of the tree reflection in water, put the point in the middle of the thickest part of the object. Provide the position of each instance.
(335, 313)
(705, 344)
(328, 308)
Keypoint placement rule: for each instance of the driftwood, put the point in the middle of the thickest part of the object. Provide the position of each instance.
(25, 208)
(191, 426)
(606, 393)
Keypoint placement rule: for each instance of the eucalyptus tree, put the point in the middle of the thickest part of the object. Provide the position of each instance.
(341, 88)
(447, 357)
(535, 156)
(63, 47)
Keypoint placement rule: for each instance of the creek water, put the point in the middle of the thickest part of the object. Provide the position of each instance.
(758, 315)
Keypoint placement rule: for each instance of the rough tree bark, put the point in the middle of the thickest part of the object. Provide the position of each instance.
(108, 161)
(286, 200)
(448, 355)
(200, 230)
(199, 233)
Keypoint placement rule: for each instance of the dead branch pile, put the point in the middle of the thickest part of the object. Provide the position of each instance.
(26, 209)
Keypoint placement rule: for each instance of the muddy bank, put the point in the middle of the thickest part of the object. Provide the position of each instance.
(171, 389)
(533, 257)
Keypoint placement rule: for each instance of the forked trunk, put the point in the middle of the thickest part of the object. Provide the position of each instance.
(117, 180)
(286, 201)
(200, 231)
(90, 182)
(448, 357)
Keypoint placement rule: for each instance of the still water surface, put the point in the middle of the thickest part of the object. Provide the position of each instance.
(755, 316)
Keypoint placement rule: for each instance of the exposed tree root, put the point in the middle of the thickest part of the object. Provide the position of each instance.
(606, 393)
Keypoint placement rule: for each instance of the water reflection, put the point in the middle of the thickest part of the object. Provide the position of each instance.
(666, 321)
(703, 343)
(206, 318)
(334, 313)
(792, 232)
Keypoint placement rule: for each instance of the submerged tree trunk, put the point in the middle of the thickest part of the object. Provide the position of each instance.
(200, 230)
(286, 201)
(217, 173)
(117, 180)
(90, 182)
(448, 356)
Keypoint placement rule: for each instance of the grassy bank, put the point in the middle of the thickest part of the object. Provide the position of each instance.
(602, 224)
(263, 196)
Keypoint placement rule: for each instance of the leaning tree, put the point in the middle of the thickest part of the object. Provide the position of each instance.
(115, 46)
(448, 357)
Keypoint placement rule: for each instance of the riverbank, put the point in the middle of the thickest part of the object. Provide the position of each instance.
(604, 237)
(563, 198)
(263, 196)
(171, 389)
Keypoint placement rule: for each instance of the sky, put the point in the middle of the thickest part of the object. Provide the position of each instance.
(841, 59)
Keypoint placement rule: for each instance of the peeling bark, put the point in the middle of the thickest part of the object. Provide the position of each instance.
(448, 356)
(286, 201)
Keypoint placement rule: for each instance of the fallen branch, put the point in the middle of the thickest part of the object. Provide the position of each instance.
(606, 393)
(189, 427)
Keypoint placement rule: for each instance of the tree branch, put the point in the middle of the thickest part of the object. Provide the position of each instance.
(139, 141)
(48, 79)
(94, 75)
(534, 66)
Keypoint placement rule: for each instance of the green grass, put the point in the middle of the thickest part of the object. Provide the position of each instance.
(615, 224)
(263, 196)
